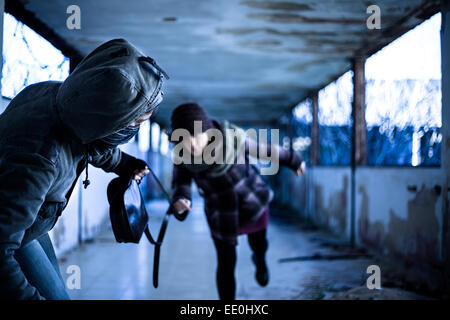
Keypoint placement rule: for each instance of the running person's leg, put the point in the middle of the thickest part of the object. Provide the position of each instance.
(226, 263)
(259, 244)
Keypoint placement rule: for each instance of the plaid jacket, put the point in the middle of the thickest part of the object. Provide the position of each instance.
(237, 196)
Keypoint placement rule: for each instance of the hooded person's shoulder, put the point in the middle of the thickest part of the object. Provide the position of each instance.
(32, 111)
(33, 93)
(29, 124)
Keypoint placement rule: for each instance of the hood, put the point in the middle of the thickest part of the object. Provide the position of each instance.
(110, 88)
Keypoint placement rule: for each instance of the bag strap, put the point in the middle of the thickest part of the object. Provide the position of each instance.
(166, 194)
(171, 210)
(158, 244)
(162, 230)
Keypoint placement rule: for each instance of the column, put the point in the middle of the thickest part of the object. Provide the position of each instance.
(315, 144)
(445, 131)
(359, 155)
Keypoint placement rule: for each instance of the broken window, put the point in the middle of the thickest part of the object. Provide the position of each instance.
(301, 123)
(335, 121)
(28, 58)
(403, 99)
(335, 105)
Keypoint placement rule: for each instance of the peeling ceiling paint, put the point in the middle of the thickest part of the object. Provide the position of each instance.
(247, 61)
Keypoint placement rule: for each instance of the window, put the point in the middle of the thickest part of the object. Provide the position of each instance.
(403, 99)
(335, 121)
(335, 107)
(155, 136)
(28, 58)
(403, 104)
(302, 119)
(144, 136)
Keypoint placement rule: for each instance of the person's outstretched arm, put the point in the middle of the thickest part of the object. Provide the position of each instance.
(25, 178)
(288, 158)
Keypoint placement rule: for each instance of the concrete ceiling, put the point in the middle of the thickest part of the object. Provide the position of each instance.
(249, 61)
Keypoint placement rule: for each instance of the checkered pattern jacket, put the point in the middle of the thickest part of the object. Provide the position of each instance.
(235, 197)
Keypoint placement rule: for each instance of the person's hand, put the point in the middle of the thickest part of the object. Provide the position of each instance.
(138, 174)
(182, 205)
(300, 171)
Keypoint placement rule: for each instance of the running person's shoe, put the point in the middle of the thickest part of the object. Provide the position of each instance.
(262, 272)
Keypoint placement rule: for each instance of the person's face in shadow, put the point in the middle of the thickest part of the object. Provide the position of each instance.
(147, 115)
(143, 118)
(196, 144)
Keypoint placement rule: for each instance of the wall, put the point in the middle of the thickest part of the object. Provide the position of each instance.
(399, 215)
(331, 199)
(321, 196)
(398, 212)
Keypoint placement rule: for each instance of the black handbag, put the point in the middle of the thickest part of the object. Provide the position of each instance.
(129, 217)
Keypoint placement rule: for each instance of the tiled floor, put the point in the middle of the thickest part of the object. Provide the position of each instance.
(188, 261)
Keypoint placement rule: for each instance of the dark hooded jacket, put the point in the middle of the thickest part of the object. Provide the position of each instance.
(44, 134)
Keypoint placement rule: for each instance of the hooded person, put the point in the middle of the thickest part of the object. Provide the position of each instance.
(49, 133)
